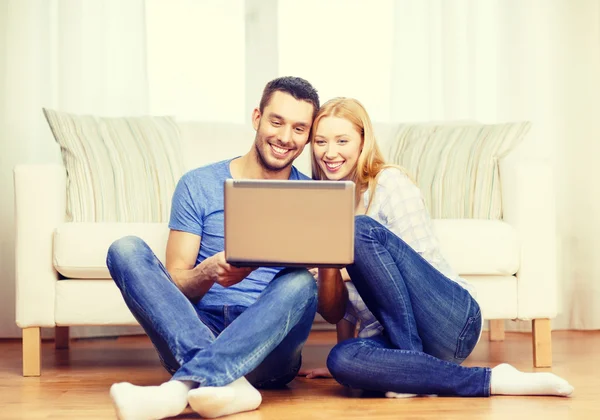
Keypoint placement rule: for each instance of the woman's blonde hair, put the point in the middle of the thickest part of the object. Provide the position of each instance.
(370, 161)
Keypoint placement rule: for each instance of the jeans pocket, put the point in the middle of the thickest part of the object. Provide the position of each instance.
(468, 337)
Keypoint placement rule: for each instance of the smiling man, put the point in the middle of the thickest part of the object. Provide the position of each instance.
(221, 331)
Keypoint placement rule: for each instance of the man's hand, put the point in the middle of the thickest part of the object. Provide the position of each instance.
(223, 273)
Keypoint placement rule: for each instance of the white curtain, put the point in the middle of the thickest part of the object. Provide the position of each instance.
(77, 56)
(496, 61)
(479, 60)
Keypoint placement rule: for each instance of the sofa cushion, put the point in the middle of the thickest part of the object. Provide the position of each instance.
(80, 249)
(478, 246)
(472, 247)
(456, 166)
(496, 295)
(118, 169)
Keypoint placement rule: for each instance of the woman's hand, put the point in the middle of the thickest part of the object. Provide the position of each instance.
(315, 373)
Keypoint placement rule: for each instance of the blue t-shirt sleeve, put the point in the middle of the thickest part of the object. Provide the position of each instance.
(185, 215)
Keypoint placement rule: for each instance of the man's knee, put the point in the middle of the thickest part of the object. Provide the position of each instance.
(298, 284)
(124, 251)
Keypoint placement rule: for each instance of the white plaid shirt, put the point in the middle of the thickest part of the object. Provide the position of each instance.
(399, 206)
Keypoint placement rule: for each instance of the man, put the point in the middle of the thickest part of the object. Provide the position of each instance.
(202, 314)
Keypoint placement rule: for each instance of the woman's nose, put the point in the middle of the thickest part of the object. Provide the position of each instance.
(330, 152)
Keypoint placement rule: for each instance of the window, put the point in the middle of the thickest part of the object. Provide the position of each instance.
(195, 59)
(343, 48)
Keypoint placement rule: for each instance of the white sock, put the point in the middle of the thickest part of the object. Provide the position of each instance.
(133, 402)
(217, 401)
(391, 394)
(506, 380)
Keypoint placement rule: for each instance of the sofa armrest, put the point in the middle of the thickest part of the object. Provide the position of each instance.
(528, 203)
(40, 206)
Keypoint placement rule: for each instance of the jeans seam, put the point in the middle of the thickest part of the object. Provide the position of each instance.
(142, 312)
(463, 333)
(376, 229)
(487, 382)
(234, 374)
(262, 348)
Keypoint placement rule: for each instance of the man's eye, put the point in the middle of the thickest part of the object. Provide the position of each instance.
(276, 123)
(299, 130)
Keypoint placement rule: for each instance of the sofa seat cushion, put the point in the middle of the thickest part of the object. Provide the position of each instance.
(496, 295)
(479, 246)
(80, 249)
(471, 246)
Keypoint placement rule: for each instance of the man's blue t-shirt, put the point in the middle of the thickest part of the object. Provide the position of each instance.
(197, 208)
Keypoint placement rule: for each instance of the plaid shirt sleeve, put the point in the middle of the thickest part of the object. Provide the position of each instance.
(403, 210)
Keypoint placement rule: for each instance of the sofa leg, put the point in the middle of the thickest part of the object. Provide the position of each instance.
(32, 351)
(61, 338)
(496, 330)
(542, 343)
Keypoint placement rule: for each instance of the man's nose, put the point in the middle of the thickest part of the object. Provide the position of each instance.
(285, 134)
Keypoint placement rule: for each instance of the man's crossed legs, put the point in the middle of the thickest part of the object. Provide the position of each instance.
(216, 354)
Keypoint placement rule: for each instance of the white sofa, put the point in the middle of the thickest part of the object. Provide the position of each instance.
(62, 279)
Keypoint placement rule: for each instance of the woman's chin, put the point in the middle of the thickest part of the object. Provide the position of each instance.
(333, 176)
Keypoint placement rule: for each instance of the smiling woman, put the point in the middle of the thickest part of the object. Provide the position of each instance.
(337, 146)
(400, 287)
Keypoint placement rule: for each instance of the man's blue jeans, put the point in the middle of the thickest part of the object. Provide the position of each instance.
(214, 346)
(431, 323)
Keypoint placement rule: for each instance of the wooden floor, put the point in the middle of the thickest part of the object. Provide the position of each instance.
(75, 382)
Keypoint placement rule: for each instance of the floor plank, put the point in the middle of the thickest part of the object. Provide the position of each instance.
(75, 382)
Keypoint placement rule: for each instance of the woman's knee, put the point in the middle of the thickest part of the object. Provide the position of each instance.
(364, 224)
(342, 359)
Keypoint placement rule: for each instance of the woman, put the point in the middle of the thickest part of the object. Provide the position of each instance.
(418, 320)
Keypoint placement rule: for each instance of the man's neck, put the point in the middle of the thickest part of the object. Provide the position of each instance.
(250, 167)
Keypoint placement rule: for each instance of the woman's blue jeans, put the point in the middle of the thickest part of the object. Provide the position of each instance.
(431, 323)
(214, 346)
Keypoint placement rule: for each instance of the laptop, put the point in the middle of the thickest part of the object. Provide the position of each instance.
(272, 223)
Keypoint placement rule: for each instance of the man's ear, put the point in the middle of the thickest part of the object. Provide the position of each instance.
(256, 118)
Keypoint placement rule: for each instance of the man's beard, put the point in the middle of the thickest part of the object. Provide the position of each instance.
(263, 160)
